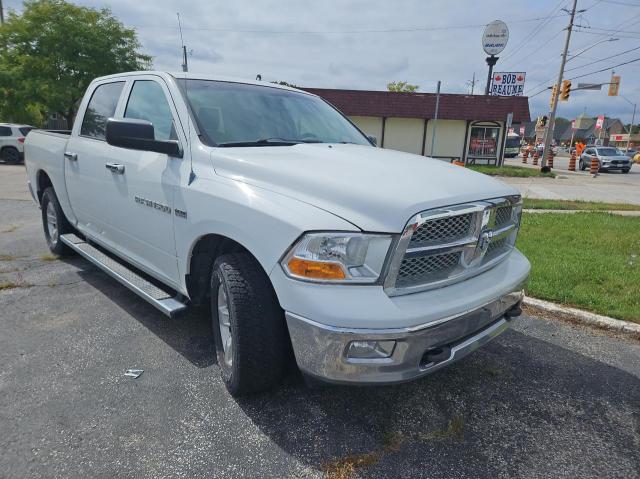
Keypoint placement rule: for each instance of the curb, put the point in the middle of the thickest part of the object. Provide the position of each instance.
(584, 317)
(611, 212)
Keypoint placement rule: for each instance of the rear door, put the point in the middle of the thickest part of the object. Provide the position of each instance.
(142, 185)
(87, 152)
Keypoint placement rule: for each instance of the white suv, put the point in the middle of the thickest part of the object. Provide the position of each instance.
(12, 141)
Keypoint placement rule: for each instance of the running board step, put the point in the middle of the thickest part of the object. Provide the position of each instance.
(136, 283)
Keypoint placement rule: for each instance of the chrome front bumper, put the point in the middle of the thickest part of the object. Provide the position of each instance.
(321, 351)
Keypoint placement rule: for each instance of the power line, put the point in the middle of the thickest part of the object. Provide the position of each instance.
(328, 32)
(616, 2)
(536, 29)
(605, 69)
(603, 59)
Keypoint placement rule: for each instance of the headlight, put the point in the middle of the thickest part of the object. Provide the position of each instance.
(337, 257)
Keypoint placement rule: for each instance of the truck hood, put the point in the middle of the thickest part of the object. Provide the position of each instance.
(373, 188)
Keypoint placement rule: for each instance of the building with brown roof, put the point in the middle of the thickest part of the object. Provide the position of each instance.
(469, 128)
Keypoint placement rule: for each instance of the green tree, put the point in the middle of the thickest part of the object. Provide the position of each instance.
(50, 53)
(402, 86)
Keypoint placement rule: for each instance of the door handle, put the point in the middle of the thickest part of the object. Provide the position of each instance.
(115, 168)
(71, 156)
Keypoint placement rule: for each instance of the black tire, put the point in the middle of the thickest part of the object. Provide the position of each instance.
(11, 155)
(582, 166)
(259, 339)
(56, 246)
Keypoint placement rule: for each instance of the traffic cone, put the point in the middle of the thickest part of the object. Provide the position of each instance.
(594, 166)
(525, 155)
(550, 159)
(536, 156)
(572, 162)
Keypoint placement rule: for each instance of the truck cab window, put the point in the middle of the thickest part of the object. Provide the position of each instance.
(101, 107)
(147, 101)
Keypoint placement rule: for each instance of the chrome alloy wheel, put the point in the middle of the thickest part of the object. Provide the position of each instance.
(52, 223)
(224, 322)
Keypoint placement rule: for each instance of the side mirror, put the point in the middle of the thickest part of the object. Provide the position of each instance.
(373, 139)
(139, 135)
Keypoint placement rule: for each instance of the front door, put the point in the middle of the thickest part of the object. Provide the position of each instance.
(84, 160)
(142, 184)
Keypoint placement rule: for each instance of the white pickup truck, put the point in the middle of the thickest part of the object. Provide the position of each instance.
(267, 207)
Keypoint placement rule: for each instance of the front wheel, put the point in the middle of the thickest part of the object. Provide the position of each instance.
(248, 325)
(54, 222)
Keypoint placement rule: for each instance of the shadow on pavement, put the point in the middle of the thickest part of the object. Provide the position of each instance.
(518, 406)
(189, 334)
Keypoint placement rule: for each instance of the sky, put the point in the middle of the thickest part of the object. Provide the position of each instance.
(365, 44)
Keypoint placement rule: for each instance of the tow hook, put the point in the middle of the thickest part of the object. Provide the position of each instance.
(514, 311)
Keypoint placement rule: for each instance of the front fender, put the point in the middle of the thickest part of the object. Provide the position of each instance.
(263, 222)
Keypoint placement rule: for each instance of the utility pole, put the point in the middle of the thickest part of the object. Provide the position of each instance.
(633, 117)
(472, 83)
(552, 115)
(1, 13)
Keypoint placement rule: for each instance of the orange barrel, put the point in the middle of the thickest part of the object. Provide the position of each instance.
(550, 159)
(525, 155)
(572, 162)
(536, 156)
(594, 167)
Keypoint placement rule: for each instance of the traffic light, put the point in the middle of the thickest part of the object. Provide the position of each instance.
(554, 95)
(614, 86)
(565, 90)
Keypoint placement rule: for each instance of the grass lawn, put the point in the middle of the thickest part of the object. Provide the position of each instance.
(587, 260)
(513, 171)
(535, 204)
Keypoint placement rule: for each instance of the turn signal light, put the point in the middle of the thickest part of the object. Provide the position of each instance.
(315, 269)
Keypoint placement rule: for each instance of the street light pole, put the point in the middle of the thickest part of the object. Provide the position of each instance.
(552, 115)
(633, 117)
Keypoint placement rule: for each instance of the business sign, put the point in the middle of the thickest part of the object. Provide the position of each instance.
(621, 137)
(495, 37)
(507, 84)
(599, 122)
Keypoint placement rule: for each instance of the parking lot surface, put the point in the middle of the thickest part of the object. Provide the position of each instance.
(546, 399)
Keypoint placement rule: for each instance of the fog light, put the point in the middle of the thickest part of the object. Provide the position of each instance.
(371, 349)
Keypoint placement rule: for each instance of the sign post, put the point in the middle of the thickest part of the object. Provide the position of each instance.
(494, 40)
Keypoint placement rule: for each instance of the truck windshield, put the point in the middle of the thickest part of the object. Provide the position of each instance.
(237, 114)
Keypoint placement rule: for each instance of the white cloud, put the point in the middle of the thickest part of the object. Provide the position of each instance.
(244, 38)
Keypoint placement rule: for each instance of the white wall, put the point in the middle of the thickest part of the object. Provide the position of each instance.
(449, 138)
(371, 125)
(404, 134)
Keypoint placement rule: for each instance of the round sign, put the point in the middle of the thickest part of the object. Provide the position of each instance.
(495, 37)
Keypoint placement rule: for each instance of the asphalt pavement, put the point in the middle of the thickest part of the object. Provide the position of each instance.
(546, 399)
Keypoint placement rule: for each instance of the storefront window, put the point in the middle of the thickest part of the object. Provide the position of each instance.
(483, 142)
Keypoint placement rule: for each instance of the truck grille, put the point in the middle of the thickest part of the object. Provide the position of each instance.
(443, 246)
(442, 229)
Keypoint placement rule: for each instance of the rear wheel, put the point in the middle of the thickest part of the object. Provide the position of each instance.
(54, 223)
(582, 166)
(248, 325)
(11, 155)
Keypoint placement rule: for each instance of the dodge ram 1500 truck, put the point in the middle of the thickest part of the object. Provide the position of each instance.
(270, 210)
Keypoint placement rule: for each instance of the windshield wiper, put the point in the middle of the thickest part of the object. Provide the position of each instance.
(261, 142)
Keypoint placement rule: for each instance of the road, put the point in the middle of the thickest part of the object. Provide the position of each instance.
(613, 187)
(546, 399)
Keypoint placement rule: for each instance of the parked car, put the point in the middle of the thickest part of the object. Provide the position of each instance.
(266, 205)
(609, 159)
(12, 142)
